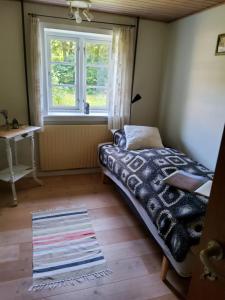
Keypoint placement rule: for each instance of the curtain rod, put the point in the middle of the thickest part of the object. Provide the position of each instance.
(64, 18)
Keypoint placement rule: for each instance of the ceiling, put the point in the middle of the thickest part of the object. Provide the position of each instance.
(162, 10)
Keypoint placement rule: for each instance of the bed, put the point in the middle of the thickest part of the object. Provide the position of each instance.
(174, 217)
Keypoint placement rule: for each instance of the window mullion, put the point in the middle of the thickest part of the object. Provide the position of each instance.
(81, 74)
(84, 72)
(49, 83)
(77, 76)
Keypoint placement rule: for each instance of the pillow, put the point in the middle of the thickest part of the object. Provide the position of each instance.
(140, 137)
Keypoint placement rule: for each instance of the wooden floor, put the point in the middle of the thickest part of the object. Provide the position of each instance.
(131, 253)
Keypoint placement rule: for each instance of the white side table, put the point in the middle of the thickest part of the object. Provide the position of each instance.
(16, 171)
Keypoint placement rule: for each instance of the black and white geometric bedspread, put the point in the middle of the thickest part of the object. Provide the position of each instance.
(178, 215)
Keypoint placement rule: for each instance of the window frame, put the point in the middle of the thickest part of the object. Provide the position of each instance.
(85, 66)
(48, 65)
(81, 38)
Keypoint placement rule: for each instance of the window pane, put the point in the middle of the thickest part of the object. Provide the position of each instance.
(63, 96)
(97, 53)
(62, 51)
(97, 76)
(97, 98)
(62, 74)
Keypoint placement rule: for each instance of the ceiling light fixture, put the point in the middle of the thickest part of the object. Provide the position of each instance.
(74, 10)
(77, 16)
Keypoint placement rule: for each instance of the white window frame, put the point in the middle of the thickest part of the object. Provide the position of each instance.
(97, 41)
(81, 38)
(48, 65)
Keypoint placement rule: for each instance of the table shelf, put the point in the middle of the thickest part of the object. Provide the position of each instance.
(18, 170)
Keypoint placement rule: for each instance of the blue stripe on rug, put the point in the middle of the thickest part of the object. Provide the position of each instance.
(69, 265)
(61, 215)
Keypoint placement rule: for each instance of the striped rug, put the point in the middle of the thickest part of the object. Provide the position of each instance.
(65, 249)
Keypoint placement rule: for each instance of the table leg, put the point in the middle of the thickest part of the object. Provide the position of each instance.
(15, 153)
(34, 173)
(10, 163)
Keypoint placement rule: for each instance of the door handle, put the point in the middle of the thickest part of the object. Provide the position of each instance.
(213, 252)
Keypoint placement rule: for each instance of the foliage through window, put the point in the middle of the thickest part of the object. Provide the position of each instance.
(77, 71)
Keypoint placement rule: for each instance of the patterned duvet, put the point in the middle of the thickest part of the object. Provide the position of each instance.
(178, 215)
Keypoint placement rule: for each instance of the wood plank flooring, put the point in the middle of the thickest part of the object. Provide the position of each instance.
(131, 253)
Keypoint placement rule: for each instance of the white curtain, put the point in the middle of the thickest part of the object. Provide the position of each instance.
(121, 78)
(36, 73)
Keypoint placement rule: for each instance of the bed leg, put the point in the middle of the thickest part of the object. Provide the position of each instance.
(104, 178)
(164, 268)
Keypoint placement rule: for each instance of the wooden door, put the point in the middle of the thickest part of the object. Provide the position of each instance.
(214, 230)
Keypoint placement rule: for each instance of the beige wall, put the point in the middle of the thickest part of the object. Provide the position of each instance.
(192, 109)
(149, 57)
(12, 79)
(49, 10)
(149, 63)
(193, 99)
(148, 68)
(12, 76)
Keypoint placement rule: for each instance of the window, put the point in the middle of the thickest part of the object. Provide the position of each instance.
(77, 71)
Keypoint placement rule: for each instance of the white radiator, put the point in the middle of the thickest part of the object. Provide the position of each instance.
(64, 147)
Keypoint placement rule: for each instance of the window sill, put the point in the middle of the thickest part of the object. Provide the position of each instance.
(72, 118)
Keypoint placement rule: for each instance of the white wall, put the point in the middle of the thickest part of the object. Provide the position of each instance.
(149, 63)
(192, 113)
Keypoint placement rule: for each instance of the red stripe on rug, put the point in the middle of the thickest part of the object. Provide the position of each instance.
(66, 237)
(50, 236)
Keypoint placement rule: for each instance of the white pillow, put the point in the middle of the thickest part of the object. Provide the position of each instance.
(140, 137)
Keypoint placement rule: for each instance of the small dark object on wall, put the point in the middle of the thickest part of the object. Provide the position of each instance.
(15, 124)
(136, 98)
(220, 47)
(87, 108)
